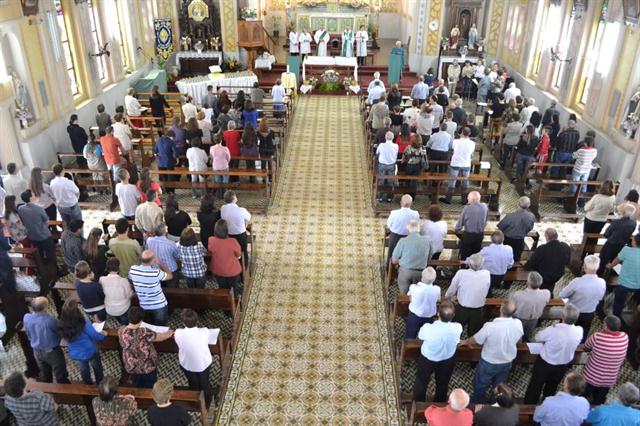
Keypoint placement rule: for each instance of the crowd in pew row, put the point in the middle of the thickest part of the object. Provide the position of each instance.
(436, 126)
(414, 244)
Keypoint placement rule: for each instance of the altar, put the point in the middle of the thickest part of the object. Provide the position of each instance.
(196, 87)
(330, 61)
(194, 63)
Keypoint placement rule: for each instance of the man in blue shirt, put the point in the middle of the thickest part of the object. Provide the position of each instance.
(42, 331)
(498, 258)
(567, 407)
(36, 220)
(166, 153)
(618, 413)
(420, 91)
(437, 354)
(166, 251)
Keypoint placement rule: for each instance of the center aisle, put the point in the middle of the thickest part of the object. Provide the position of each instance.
(314, 344)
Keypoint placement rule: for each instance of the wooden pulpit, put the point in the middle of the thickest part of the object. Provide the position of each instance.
(251, 36)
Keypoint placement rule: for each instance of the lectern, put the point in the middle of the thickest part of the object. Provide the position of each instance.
(251, 36)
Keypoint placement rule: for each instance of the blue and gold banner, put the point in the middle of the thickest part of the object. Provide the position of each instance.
(164, 37)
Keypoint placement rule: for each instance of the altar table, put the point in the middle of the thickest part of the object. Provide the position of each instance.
(194, 63)
(196, 87)
(330, 61)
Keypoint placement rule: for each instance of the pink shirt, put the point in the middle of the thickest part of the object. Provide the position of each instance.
(445, 416)
(220, 157)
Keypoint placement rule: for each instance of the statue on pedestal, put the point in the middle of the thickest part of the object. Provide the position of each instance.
(22, 100)
(473, 37)
(455, 37)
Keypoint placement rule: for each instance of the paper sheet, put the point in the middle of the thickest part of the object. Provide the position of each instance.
(156, 328)
(213, 336)
(535, 348)
(98, 326)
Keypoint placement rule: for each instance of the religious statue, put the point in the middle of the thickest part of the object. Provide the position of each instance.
(362, 37)
(305, 42)
(347, 43)
(473, 37)
(396, 63)
(294, 42)
(631, 121)
(322, 38)
(185, 42)
(455, 37)
(215, 43)
(199, 46)
(482, 44)
(22, 100)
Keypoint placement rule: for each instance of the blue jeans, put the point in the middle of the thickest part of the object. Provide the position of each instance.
(459, 171)
(521, 163)
(488, 374)
(506, 152)
(564, 158)
(159, 316)
(84, 366)
(387, 170)
(583, 177)
(122, 319)
(620, 298)
(221, 178)
(414, 323)
(70, 213)
(195, 282)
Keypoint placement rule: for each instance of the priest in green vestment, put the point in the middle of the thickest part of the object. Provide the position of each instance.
(396, 63)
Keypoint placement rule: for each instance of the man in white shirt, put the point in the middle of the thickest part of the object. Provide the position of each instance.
(237, 220)
(277, 95)
(411, 114)
(375, 92)
(131, 104)
(511, 92)
(559, 344)
(66, 194)
(128, 195)
(423, 303)
(376, 77)
(469, 288)
(437, 354)
(194, 354)
(197, 159)
(122, 132)
(585, 293)
(398, 221)
(525, 115)
(437, 111)
(499, 339)
(387, 154)
(189, 110)
(463, 150)
(14, 184)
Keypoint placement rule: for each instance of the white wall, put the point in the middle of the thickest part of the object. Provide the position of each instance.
(39, 150)
(391, 26)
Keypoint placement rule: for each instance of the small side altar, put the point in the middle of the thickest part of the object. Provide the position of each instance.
(196, 63)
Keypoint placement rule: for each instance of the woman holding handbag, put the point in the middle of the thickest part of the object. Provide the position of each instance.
(414, 159)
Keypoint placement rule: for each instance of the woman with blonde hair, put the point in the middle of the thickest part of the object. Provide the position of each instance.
(41, 192)
(205, 127)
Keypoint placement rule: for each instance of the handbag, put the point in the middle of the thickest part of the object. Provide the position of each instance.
(424, 161)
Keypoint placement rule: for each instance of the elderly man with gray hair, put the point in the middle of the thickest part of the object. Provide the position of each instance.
(469, 288)
(620, 412)
(498, 258)
(456, 413)
(559, 344)
(424, 297)
(471, 223)
(530, 303)
(586, 292)
(411, 254)
(387, 154)
(516, 226)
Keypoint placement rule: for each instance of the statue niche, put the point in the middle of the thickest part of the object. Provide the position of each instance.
(197, 24)
(464, 16)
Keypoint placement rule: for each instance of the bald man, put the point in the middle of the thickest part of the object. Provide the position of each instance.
(147, 278)
(42, 331)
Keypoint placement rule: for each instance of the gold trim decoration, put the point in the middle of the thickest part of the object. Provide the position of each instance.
(494, 26)
(433, 37)
(229, 26)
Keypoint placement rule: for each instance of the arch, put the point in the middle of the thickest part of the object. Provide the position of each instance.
(12, 59)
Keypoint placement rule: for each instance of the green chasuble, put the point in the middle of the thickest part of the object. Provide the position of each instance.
(396, 63)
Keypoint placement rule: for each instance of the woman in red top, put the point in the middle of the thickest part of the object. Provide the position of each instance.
(542, 151)
(404, 140)
(225, 254)
(145, 183)
(232, 140)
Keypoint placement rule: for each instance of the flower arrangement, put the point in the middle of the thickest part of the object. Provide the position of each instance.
(249, 13)
(330, 76)
(231, 65)
(348, 81)
(631, 124)
(214, 42)
(311, 81)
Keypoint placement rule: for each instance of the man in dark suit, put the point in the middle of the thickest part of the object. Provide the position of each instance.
(550, 259)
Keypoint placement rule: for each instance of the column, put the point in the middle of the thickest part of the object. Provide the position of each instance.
(229, 26)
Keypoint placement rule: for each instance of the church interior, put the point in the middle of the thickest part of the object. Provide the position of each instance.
(295, 177)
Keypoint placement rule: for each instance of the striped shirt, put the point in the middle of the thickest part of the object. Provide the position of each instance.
(146, 282)
(165, 250)
(608, 351)
(584, 158)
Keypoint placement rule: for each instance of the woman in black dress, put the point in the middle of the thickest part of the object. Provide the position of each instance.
(158, 104)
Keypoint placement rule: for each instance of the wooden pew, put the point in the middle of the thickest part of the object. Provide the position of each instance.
(532, 172)
(84, 178)
(570, 200)
(416, 413)
(31, 260)
(82, 395)
(426, 178)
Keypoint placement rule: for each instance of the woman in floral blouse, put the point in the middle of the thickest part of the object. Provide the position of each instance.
(111, 409)
(412, 160)
(17, 230)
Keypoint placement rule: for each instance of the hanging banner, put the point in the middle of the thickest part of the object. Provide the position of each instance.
(164, 37)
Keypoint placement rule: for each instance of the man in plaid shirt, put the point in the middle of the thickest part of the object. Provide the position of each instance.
(29, 408)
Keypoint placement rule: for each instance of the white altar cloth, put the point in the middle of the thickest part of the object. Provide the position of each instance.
(196, 87)
(330, 61)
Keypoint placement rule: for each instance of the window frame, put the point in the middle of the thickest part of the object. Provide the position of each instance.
(72, 70)
(97, 36)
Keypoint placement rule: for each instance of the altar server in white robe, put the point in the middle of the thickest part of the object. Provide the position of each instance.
(376, 77)
(362, 37)
(294, 43)
(322, 38)
(347, 43)
(305, 43)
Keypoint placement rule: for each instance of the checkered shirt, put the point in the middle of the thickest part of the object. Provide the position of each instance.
(192, 258)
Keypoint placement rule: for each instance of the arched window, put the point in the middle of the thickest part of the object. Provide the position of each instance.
(113, 9)
(97, 41)
(548, 34)
(593, 52)
(67, 50)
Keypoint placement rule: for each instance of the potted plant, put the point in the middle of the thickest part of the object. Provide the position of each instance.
(275, 25)
(249, 13)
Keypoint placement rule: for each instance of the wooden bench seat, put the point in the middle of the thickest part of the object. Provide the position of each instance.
(417, 409)
(546, 190)
(533, 172)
